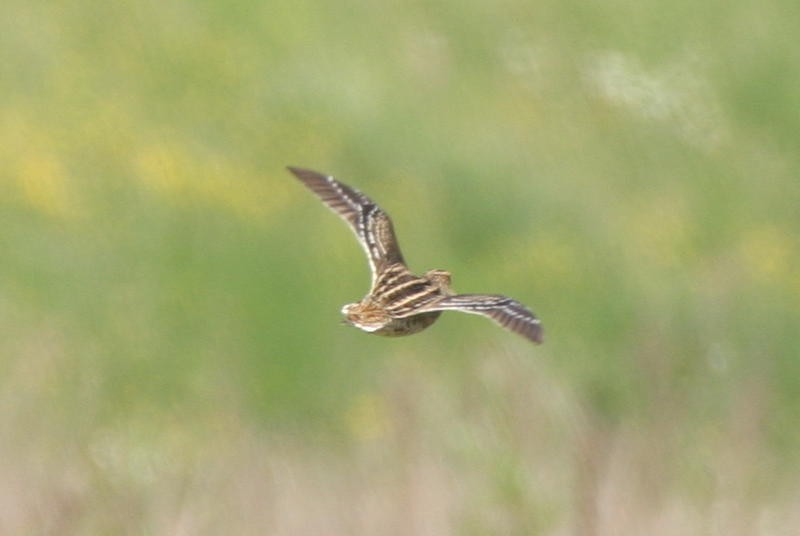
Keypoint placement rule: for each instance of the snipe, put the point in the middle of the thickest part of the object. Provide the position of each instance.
(399, 302)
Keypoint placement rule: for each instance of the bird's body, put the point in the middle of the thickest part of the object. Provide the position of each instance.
(395, 293)
(399, 302)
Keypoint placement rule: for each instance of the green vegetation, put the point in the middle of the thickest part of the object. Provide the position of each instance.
(171, 357)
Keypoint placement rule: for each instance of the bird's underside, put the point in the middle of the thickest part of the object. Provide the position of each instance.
(399, 302)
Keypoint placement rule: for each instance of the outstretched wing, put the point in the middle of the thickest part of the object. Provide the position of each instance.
(372, 226)
(509, 313)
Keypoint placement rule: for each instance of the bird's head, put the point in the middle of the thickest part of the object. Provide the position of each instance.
(365, 316)
(349, 312)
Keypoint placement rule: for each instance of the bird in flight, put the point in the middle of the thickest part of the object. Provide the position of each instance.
(399, 302)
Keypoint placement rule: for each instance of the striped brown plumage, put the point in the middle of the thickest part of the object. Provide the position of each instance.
(399, 302)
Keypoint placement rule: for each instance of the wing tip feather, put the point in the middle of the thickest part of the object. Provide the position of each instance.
(305, 173)
(537, 334)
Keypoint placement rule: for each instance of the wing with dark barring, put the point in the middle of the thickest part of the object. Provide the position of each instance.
(505, 311)
(371, 225)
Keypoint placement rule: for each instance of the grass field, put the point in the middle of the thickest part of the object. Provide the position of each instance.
(171, 354)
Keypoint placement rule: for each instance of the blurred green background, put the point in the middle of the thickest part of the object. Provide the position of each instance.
(171, 356)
